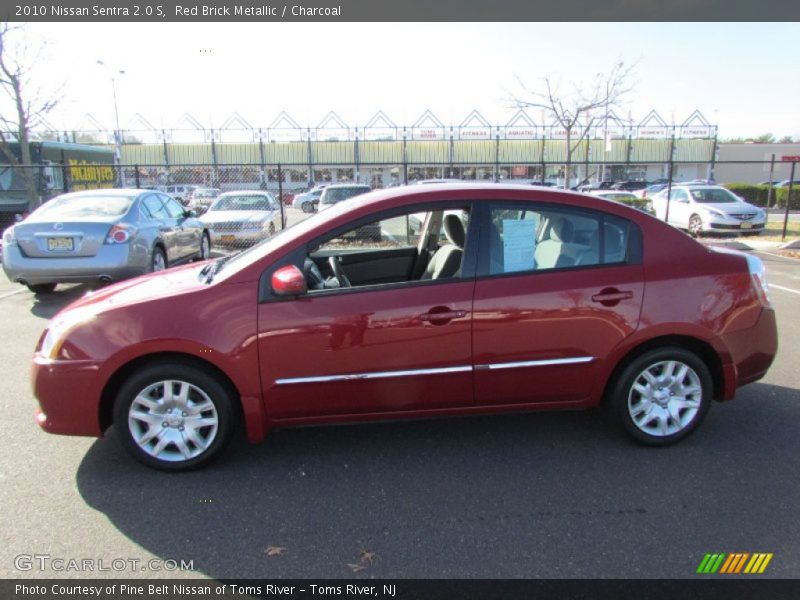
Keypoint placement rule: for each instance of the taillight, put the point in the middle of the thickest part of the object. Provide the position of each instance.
(758, 274)
(120, 234)
(9, 237)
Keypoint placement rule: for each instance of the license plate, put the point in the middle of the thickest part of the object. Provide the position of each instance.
(747, 225)
(60, 244)
(227, 239)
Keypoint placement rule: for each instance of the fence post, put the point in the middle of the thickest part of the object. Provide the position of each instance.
(669, 176)
(280, 197)
(65, 177)
(262, 157)
(497, 156)
(405, 160)
(311, 178)
(788, 201)
(713, 164)
(136, 167)
(771, 175)
(544, 166)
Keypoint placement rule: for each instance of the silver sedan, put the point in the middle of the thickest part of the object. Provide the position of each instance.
(100, 236)
(242, 218)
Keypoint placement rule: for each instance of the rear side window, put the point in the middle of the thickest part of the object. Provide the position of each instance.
(154, 207)
(539, 239)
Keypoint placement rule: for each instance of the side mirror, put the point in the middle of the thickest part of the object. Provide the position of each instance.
(18, 218)
(289, 281)
(190, 213)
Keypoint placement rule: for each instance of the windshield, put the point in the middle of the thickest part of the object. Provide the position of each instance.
(76, 207)
(334, 195)
(713, 196)
(243, 202)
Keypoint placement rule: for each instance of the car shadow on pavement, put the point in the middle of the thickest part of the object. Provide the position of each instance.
(47, 305)
(534, 495)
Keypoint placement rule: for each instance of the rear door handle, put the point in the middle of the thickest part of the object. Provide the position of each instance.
(611, 296)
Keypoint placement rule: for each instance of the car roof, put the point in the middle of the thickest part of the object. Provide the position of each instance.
(245, 193)
(336, 186)
(131, 192)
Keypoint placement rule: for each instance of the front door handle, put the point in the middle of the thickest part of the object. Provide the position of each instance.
(611, 296)
(440, 315)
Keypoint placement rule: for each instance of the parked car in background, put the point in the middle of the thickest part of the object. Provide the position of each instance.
(650, 190)
(202, 198)
(100, 236)
(242, 218)
(627, 198)
(703, 209)
(785, 184)
(510, 298)
(181, 193)
(308, 201)
(630, 186)
(598, 185)
(334, 194)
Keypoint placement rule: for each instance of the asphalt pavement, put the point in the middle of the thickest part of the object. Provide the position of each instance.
(547, 495)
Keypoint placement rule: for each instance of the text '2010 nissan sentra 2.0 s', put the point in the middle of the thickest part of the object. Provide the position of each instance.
(459, 299)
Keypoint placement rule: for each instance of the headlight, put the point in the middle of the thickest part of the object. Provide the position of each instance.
(58, 329)
(715, 213)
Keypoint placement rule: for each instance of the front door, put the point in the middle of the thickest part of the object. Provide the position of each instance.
(383, 345)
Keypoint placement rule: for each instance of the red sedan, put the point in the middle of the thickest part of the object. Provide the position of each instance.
(471, 299)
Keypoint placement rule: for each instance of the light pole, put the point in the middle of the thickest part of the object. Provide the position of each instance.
(117, 133)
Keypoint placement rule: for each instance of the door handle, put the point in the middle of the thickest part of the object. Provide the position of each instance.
(611, 296)
(441, 315)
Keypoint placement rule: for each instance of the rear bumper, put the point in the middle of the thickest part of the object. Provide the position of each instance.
(752, 351)
(111, 261)
(69, 403)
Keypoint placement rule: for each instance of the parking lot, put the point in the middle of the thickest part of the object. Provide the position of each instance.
(545, 495)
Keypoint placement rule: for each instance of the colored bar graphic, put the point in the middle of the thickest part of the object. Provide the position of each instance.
(730, 564)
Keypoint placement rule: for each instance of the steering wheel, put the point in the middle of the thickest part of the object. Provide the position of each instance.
(313, 275)
(338, 271)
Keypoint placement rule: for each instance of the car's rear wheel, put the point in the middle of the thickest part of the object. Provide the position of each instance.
(661, 396)
(174, 417)
(41, 288)
(306, 207)
(158, 261)
(695, 225)
(271, 230)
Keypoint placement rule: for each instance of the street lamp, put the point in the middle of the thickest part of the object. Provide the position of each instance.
(117, 133)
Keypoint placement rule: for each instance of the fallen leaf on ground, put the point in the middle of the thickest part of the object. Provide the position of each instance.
(356, 568)
(274, 551)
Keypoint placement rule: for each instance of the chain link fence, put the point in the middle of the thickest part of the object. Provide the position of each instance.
(241, 204)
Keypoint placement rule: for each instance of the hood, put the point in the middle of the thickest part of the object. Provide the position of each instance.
(154, 286)
(226, 216)
(730, 207)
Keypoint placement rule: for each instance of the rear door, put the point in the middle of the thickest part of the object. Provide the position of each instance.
(557, 291)
(187, 236)
(167, 226)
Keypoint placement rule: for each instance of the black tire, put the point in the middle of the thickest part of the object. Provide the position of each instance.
(41, 288)
(204, 239)
(271, 230)
(695, 226)
(306, 207)
(216, 436)
(158, 254)
(623, 399)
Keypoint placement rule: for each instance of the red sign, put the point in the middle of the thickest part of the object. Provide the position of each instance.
(790, 158)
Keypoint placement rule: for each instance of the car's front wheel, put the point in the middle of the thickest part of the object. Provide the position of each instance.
(695, 225)
(306, 207)
(174, 416)
(661, 396)
(205, 247)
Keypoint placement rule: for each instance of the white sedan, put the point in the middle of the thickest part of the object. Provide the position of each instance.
(708, 208)
(242, 218)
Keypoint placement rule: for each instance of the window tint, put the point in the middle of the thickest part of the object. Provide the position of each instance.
(155, 207)
(536, 240)
(75, 207)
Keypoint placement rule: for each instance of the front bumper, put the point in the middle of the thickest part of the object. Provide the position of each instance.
(715, 223)
(111, 261)
(68, 397)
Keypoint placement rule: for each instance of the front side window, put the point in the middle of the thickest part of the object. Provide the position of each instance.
(532, 239)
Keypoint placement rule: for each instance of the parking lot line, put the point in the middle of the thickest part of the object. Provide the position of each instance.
(785, 289)
(13, 293)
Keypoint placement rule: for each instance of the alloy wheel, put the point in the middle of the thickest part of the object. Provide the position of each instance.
(665, 398)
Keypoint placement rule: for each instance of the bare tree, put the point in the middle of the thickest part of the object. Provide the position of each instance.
(578, 109)
(31, 103)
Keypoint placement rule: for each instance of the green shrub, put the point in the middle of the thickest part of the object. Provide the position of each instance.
(754, 194)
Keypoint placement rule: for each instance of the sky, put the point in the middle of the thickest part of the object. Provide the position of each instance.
(741, 76)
